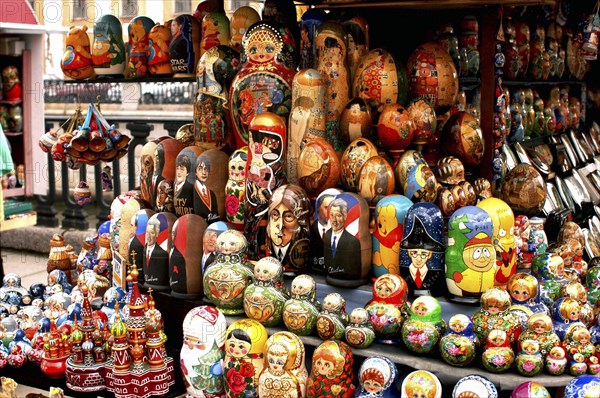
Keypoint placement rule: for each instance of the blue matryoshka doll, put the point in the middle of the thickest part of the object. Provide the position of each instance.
(565, 315)
(309, 23)
(585, 386)
(549, 269)
(422, 250)
(458, 346)
(377, 377)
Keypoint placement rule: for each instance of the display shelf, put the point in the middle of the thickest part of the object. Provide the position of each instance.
(15, 102)
(431, 4)
(7, 193)
(20, 221)
(13, 133)
(534, 83)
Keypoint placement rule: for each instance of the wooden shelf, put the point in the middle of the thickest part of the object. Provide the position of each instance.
(25, 220)
(431, 4)
(12, 103)
(529, 83)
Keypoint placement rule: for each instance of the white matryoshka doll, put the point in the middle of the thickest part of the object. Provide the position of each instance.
(300, 312)
(235, 190)
(108, 51)
(284, 374)
(421, 383)
(156, 252)
(202, 352)
(377, 377)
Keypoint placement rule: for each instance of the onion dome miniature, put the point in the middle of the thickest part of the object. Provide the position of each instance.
(459, 345)
(360, 332)
(58, 257)
(332, 321)
(424, 326)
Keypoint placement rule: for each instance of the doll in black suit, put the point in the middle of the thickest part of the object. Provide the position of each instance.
(341, 249)
(159, 162)
(205, 200)
(156, 259)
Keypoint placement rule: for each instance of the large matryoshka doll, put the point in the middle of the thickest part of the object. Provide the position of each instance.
(318, 167)
(331, 371)
(288, 229)
(108, 51)
(495, 310)
(235, 190)
(147, 166)
(202, 353)
(504, 238)
(116, 208)
(209, 188)
(390, 214)
(214, 73)
(185, 257)
(241, 20)
(215, 31)
(353, 159)
(263, 84)
(139, 46)
(265, 172)
(377, 377)
(137, 242)
(184, 48)
(245, 350)
(422, 250)
(185, 177)
(159, 59)
(307, 116)
(358, 42)
(470, 255)
(77, 59)
(283, 15)
(386, 307)
(165, 156)
(309, 22)
(156, 251)
(284, 374)
(319, 226)
(347, 245)
(421, 383)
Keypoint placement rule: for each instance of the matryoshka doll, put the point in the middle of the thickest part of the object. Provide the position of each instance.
(156, 251)
(138, 46)
(529, 360)
(165, 156)
(424, 121)
(319, 226)
(300, 312)
(495, 314)
(358, 42)
(159, 59)
(459, 344)
(592, 283)
(360, 332)
(421, 383)
(331, 373)
(209, 242)
(284, 374)
(523, 37)
(539, 65)
(422, 250)
(576, 290)
(523, 290)
(556, 361)
(540, 329)
(377, 377)
(164, 197)
(356, 120)
(124, 225)
(424, 326)
(185, 257)
(147, 166)
(77, 61)
(241, 20)
(185, 178)
(235, 190)
(263, 299)
(309, 22)
(202, 353)
(565, 315)
(215, 31)
(138, 240)
(108, 51)
(318, 167)
(332, 321)
(497, 356)
(549, 270)
(521, 232)
(211, 174)
(475, 386)
(184, 48)
(354, 157)
(580, 351)
(395, 129)
(245, 350)
(263, 84)
(390, 294)
(469, 41)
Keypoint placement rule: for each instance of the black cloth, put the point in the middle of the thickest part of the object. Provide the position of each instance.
(177, 271)
(157, 271)
(138, 247)
(347, 261)
(184, 200)
(317, 262)
(200, 208)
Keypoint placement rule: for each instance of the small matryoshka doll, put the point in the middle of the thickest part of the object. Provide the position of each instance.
(450, 171)
(537, 242)
(420, 184)
(159, 59)
(360, 332)
(108, 51)
(288, 229)
(459, 344)
(138, 45)
(539, 60)
(319, 227)
(540, 329)
(185, 177)
(495, 314)
(241, 20)
(136, 244)
(530, 360)
(165, 155)
(376, 180)
(421, 383)
(390, 214)
(318, 167)
(215, 31)
(184, 48)
(309, 22)
(377, 378)
(521, 231)
(523, 37)
(332, 321)
(227, 277)
(185, 258)
(235, 190)
(245, 349)
(556, 360)
(592, 283)
(353, 159)
(356, 120)
(424, 326)
(523, 290)
(576, 290)
(284, 374)
(13, 91)
(263, 299)
(469, 41)
(156, 251)
(422, 250)
(302, 309)
(497, 356)
(549, 270)
(77, 61)
(204, 331)
(331, 371)
(390, 294)
(580, 351)
(565, 314)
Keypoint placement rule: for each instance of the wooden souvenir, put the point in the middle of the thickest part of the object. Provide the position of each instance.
(82, 193)
(209, 242)
(420, 184)
(524, 189)
(497, 356)
(450, 170)
(116, 208)
(159, 241)
(215, 31)
(159, 59)
(347, 245)
(265, 172)
(11, 87)
(565, 314)
(185, 257)
(332, 321)
(582, 386)
(300, 312)
(549, 269)
(319, 226)
(376, 180)
(184, 180)
(524, 291)
(377, 376)
(407, 161)
(358, 42)
(422, 330)
(76, 62)
(576, 290)
(540, 329)
(138, 240)
(165, 156)
(356, 120)
(469, 41)
(529, 361)
(264, 298)
(108, 52)
(353, 159)
(147, 166)
(263, 84)
(421, 383)
(125, 226)
(459, 344)
(539, 60)
(390, 294)
(139, 46)
(474, 385)
(530, 389)
(523, 38)
(184, 48)
(241, 20)
(235, 190)
(318, 167)
(360, 332)
(309, 22)
(556, 361)
(164, 197)
(592, 283)
(445, 201)
(284, 374)
(462, 137)
(580, 351)
(395, 129)
(424, 121)
(331, 371)
(245, 351)
(227, 277)
(209, 187)
(495, 303)
(512, 66)
(307, 117)
(448, 39)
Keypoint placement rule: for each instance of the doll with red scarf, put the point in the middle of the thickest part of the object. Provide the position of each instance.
(331, 374)
(390, 294)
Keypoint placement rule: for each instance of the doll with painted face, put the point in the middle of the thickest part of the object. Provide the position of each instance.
(495, 314)
(424, 327)
(360, 332)
(523, 290)
(331, 374)
(576, 290)
(459, 344)
(390, 293)
(236, 188)
(556, 361)
(300, 312)
(530, 360)
(549, 270)
(580, 351)
(421, 383)
(497, 356)
(263, 299)
(332, 321)
(540, 329)
(565, 315)
(377, 377)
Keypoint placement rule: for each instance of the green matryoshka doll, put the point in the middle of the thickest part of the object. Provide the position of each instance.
(263, 299)
(422, 330)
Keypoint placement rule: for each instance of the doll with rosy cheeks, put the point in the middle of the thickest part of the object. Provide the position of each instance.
(540, 329)
(236, 188)
(331, 374)
(523, 289)
(565, 315)
(495, 314)
(498, 355)
(581, 351)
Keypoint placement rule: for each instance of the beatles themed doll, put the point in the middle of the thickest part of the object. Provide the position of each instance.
(459, 344)
(424, 327)
(300, 312)
(185, 177)
(386, 307)
(377, 377)
(331, 374)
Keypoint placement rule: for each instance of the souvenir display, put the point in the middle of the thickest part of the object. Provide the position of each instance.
(530, 389)
(209, 187)
(159, 241)
(300, 312)
(462, 137)
(139, 46)
(264, 299)
(108, 51)
(241, 20)
(356, 120)
(309, 22)
(459, 344)
(215, 31)
(159, 59)
(390, 293)
(209, 242)
(235, 190)
(185, 178)
(76, 62)
(421, 383)
(184, 48)
(422, 330)
(472, 385)
(360, 332)
(318, 167)
(331, 372)
(245, 350)
(583, 387)
(495, 303)
(377, 377)
(202, 353)
(185, 257)
(354, 157)
(580, 351)
(332, 321)
(422, 250)
(524, 189)
(376, 180)
(497, 356)
(164, 163)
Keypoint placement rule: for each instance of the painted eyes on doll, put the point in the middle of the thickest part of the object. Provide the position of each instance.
(385, 290)
(274, 362)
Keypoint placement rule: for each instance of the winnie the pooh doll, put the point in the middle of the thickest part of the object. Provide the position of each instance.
(77, 60)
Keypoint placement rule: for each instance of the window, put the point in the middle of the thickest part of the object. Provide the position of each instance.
(183, 7)
(129, 8)
(79, 9)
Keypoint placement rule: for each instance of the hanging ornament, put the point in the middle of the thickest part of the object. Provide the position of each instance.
(82, 194)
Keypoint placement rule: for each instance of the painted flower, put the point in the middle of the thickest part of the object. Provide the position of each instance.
(231, 204)
(247, 369)
(235, 381)
(454, 350)
(528, 365)
(499, 360)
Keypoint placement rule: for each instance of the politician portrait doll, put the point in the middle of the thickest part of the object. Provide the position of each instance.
(319, 227)
(156, 251)
(205, 200)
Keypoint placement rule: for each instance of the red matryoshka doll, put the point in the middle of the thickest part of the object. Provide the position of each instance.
(470, 255)
(137, 242)
(318, 167)
(184, 48)
(165, 156)
(263, 84)
(498, 355)
(209, 242)
(215, 31)
(139, 48)
(331, 371)
(309, 23)
(147, 166)
(424, 121)
(159, 59)
(208, 194)
(265, 172)
(376, 180)
(395, 129)
(77, 61)
(204, 331)
(356, 120)
(235, 190)
(241, 20)
(358, 42)
(288, 231)
(319, 226)
(307, 117)
(108, 51)
(156, 251)
(245, 350)
(390, 214)
(462, 137)
(422, 250)
(12, 91)
(183, 195)
(347, 245)
(185, 257)
(353, 159)
(421, 383)
(390, 294)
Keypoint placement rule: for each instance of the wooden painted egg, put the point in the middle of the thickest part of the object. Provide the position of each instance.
(421, 383)
(407, 161)
(524, 189)
(432, 76)
(586, 386)
(424, 121)
(462, 137)
(474, 386)
(354, 157)
(376, 180)
(318, 167)
(395, 129)
(420, 184)
(356, 120)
